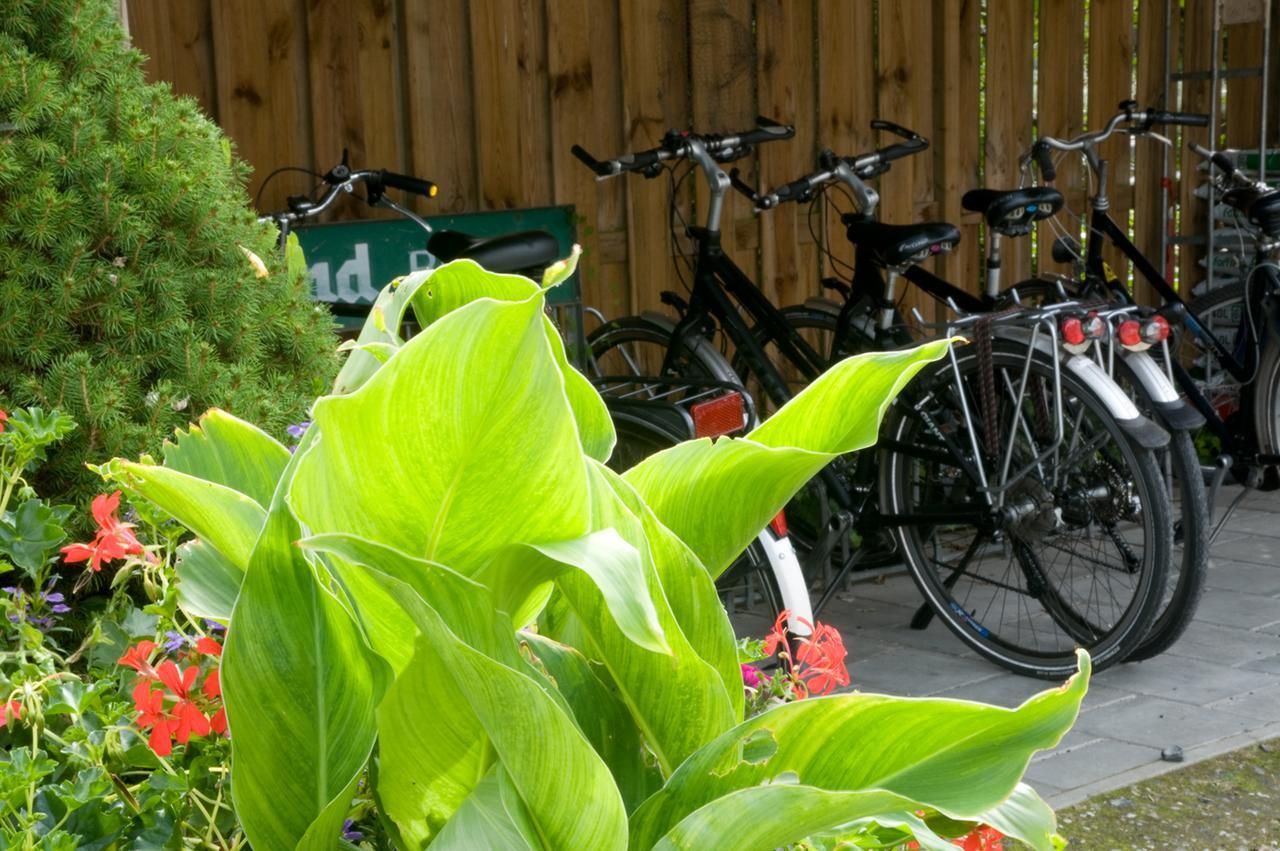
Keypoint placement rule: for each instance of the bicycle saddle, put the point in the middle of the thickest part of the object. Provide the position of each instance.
(1261, 208)
(899, 245)
(1012, 211)
(528, 250)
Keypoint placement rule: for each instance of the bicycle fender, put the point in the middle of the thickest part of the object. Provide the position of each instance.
(1143, 431)
(785, 565)
(823, 305)
(1171, 409)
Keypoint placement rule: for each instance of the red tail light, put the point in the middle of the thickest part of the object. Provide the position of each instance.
(1155, 330)
(1095, 327)
(1129, 333)
(1073, 331)
(779, 524)
(721, 415)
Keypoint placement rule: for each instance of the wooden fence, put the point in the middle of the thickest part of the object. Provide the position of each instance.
(485, 97)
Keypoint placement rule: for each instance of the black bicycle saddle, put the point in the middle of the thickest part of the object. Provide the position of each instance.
(898, 245)
(1012, 211)
(513, 252)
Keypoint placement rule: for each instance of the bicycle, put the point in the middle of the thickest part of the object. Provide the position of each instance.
(723, 298)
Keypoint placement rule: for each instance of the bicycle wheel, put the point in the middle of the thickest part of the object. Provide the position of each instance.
(1189, 564)
(1077, 553)
(637, 346)
(1222, 312)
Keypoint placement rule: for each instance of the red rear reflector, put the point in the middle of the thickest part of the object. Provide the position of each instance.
(779, 524)
(1072, 331)
(717, 416)
(1156, 330)
(1129, 333)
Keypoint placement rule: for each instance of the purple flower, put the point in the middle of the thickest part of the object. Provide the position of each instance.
(214, 626)
(349, 832)
(175, 641)
(297, 429)
(751, 676)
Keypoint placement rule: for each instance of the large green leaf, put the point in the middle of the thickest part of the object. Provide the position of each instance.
(550, 763)
(482, 814)
(679, 701)
(227, 450)
(300, 689)
(610, 562)
(601, 715)
(207, 581)
(380, 332)
(463, 281)
(751, 479)
(225, 519)
(812, 766)
(451, 451)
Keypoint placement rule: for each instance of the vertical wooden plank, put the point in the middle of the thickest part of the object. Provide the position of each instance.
(1197, 55)
(508, 43)
(655, 80)
(785, 68)
(352, 52)
(1111, 81)
(178, 41)
(1149, 175)
(846, 100)
(441, 114)
(584, 97)
(1244, 94)
(1060, 113)
(722, 54)
(956, 127)
(968, 151)
(906, 97)
(263, 89)
(1009, 76)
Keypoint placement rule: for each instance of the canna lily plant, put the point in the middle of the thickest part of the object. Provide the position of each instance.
(445, 590)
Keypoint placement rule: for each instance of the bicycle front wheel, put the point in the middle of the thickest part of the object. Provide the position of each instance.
(1069, 548)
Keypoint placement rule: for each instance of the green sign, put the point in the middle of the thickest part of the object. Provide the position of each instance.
(350, 262)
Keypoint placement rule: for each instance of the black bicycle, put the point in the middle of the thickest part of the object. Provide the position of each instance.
(1000, 527)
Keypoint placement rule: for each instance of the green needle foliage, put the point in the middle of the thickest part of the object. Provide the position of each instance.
(126, 299)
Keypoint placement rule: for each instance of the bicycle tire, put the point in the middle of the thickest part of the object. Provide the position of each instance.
(1180, 465)
(699, 359)
(917, 425)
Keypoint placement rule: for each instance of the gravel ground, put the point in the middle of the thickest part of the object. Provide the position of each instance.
(1231, 803)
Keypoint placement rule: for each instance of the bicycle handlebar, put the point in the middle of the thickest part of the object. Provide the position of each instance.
(677, 145)
(1140, 123)
(408, 183)
(831, 167)
(342, 179)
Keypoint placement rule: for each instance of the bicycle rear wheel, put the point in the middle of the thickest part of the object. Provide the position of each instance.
(1077, 553)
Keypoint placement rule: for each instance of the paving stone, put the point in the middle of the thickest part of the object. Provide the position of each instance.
(913, 673)
(1225, 645)
(1073, 740)
(1263, 704)
(1269, 665)
(1090, 762)
(1159, 723)
(899, 590)
(1256, 579)
(1243, 611)
(1000, 689)
(1101, 697)
(1255, 549)
(1252, 521)
(1183, 679)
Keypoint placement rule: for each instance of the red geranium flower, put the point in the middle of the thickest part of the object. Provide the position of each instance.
(12, 709)
(138, 657)
(209, 646)
(212, 685)
(4, 418)
(982, 838)
(821, 660)
(113, 540)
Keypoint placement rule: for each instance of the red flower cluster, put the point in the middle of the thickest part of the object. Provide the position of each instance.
(4, 418)
(166, 698)
(12, 709)
(113, 540)
(818, 666)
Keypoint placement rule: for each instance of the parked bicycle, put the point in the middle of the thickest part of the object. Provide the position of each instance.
(1082, 474)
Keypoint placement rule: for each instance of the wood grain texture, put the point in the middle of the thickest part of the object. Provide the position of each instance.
(1149, 191)
(1060, 113)
(1009, 129)
(440, 111)
(785, 68)
(655, 80)
(264, 92)
(1197, 55)
(178, 41)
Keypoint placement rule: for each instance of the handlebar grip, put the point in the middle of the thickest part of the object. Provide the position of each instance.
(895, 129)
(602, 169)
(406, 183)
(1187, 119)
(638, 161)
(899, 150)
(768, 131)
(1044, 159)
(793, 191)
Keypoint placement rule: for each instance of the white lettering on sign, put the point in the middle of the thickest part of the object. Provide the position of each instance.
(353, 283)
(419, 260)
